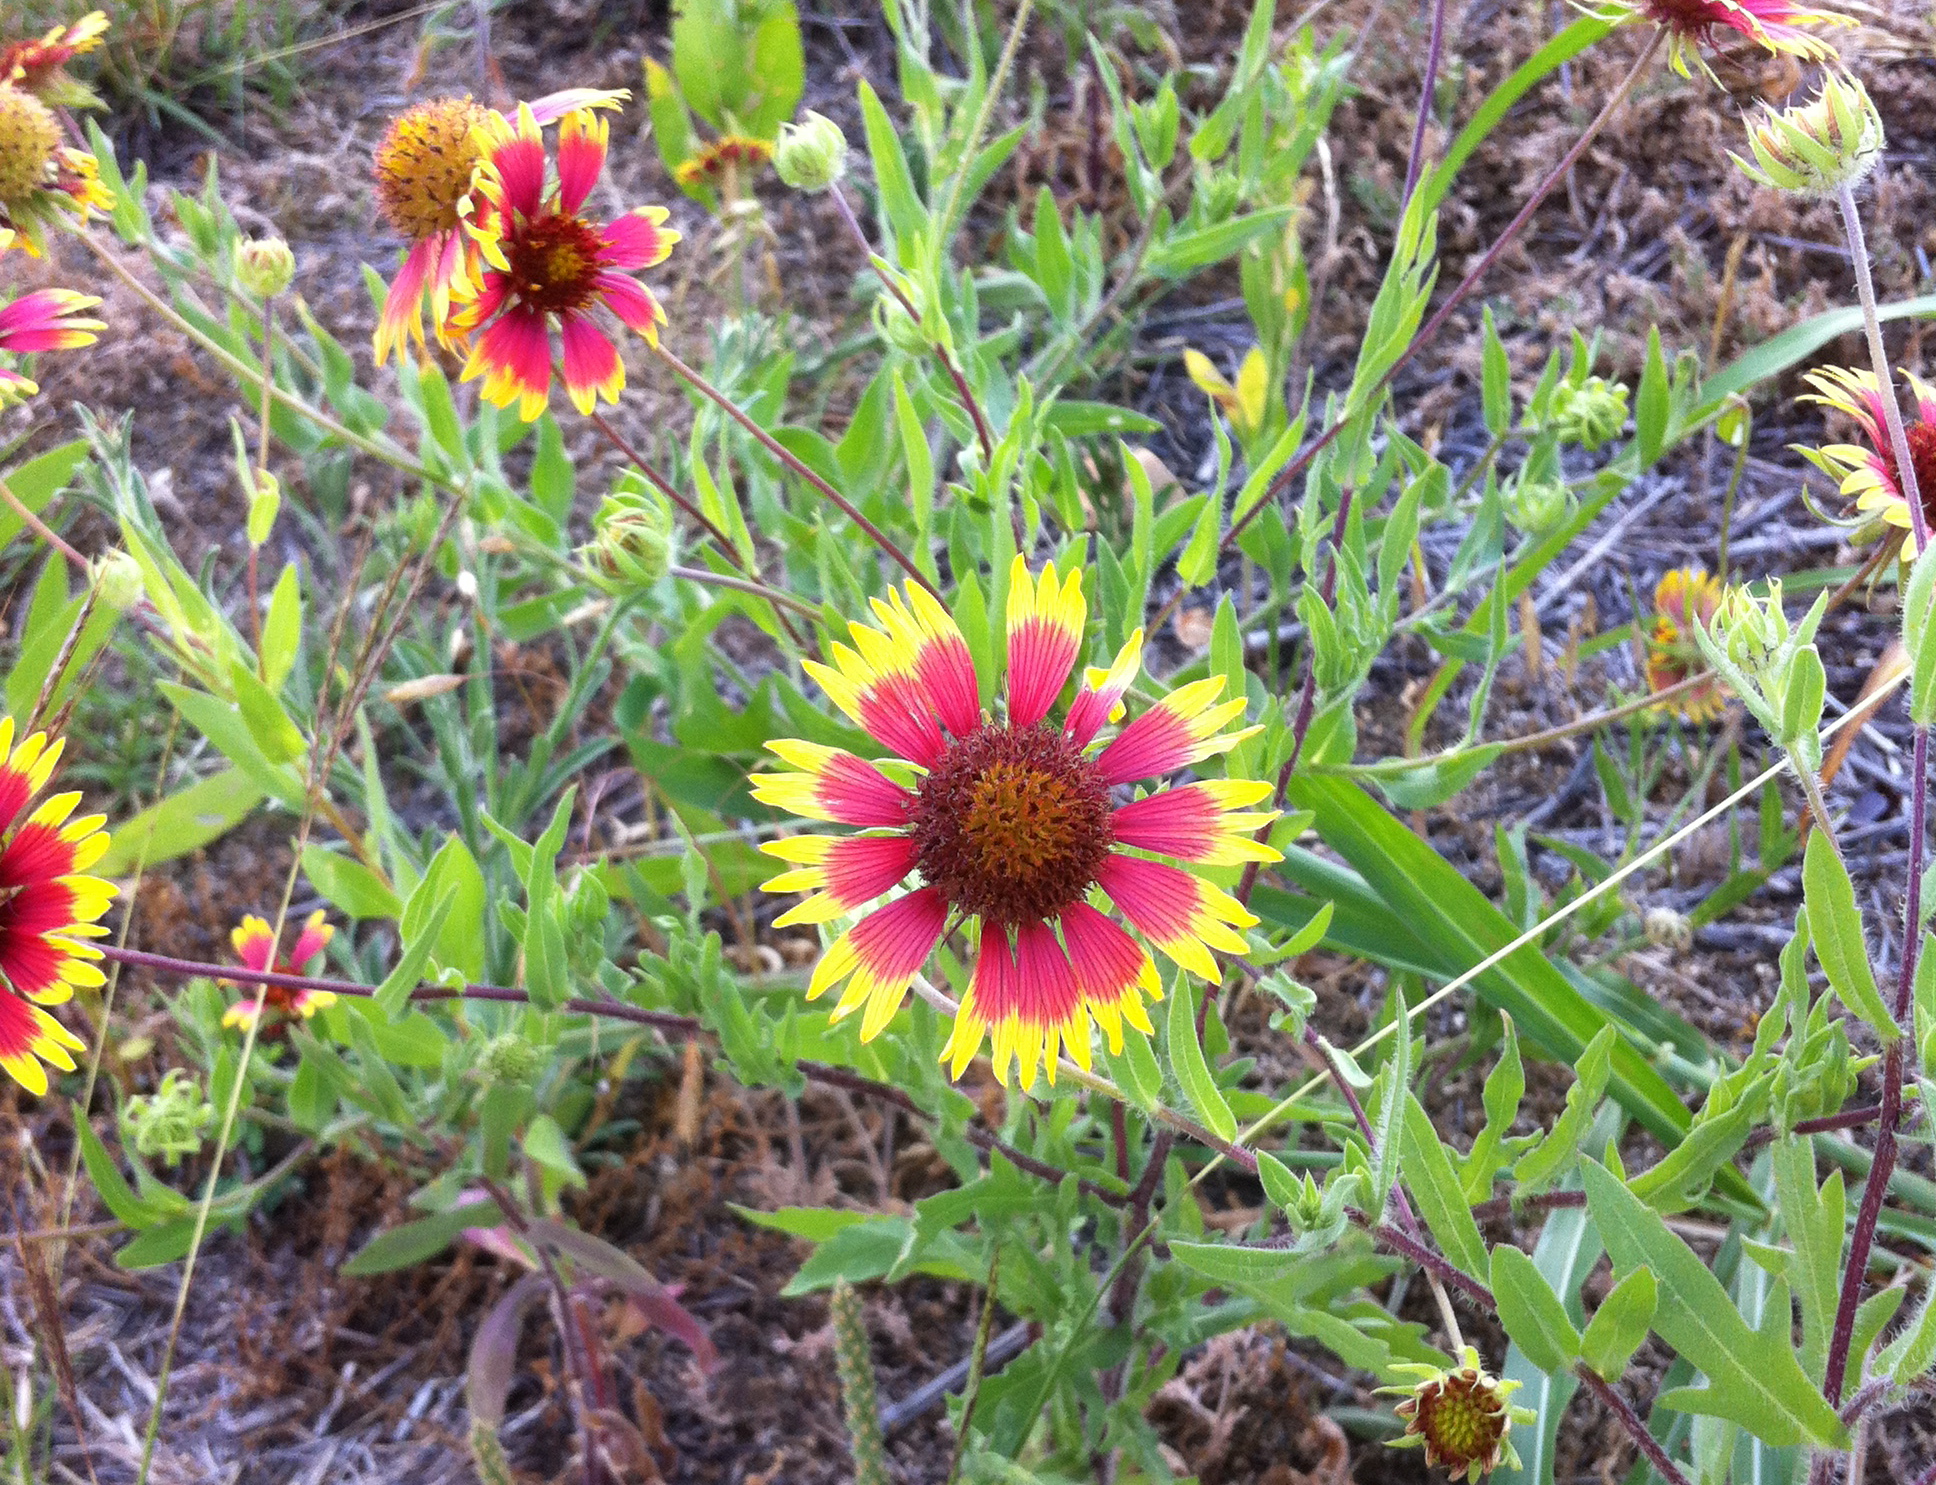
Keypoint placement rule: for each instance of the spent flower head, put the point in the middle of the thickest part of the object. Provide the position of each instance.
(1461, 1418)
(1010, 828)
(1591, 413)
(509, 1059)
(726, 165)
(169, 1122)
(49, 907)
(812, 154)
(1818, 147)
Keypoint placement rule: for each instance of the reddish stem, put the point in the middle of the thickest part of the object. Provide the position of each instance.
(1630, 1420)
(1428, 87)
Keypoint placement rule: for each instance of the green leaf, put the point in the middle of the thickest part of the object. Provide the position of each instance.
(1495, 379)
(408, 972)
(277, 737)
(1188, 252)
(1232, 1263)
(1441, 1199)
(38, 481)
(185, 821)
(1532, 1312)
(426, 1237)
(1912, 1352)
(545, 1143)
(1620, 1324)
(1505, 1086)
(1814, 1220)
(115, 1192)
(348, 884)
(453, 875)
(1835, 926)
(1652, 402)
(1191, 1068)
(282, 628)
(1794, 345)
(1753, 1376)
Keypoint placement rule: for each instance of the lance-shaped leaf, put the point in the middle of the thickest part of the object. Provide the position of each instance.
(1835, 924)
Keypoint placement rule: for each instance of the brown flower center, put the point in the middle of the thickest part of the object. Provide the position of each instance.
(1012, 824)
(1463, 1420)
(424, 166)
(29, 136)
(554, 262)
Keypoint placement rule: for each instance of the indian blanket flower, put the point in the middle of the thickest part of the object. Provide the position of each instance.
(39, 66)
(1869, 474)
(45, 320)
(1461, 1417)
(255, 945)
(38, 174)
(547, 262)
(1684, 599)
(48, 907)
(425, 168)
(725, 164)
(1012, 829)
(1777, 26)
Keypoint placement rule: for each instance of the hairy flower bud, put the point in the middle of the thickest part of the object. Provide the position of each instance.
(1590, 414)
(508, 1060)
(1537, 506)
(116, 577)
(265, 267)
(169, 1122)
(1667, 929)
(812, 154)
(632, 540)
(1817, 147)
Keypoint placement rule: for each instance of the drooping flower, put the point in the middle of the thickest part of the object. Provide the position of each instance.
(1461, 1417)
(728, 163)
(48, 908)
(1870, 474)
(255, 945)
(1012, 829)
(39, 175)
(40, 66)
(45, 320)
(1777, 26)
(1684, 599)
(546, 262)
(426, 168)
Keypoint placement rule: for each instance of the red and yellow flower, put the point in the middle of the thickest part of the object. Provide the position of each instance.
(426, 168)
(547, 262)
(39, 66)
(1012, 827)
(46, 320)
(254, 942)
(49, 908)
(1684, 599)
(1870, 474)
(1777, 26)
(727, 163)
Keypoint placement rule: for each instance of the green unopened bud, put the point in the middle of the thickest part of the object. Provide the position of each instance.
(264, 506)
(632, 540)
(1537, 506)
(508, 1060)
(1590, 414)
(1817, 147)
(264, 268)
(116, 577)
(812, 154)
(168, 1123)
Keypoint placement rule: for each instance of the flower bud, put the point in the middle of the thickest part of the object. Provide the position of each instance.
(169, 1122)
(812, 154)
(1537, 506)
(1817, 147)
(632, 540)
(1667, 929)
(265, 267)
(508, 1060)
(264, 506)
(1590, 414)
(117, 581)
